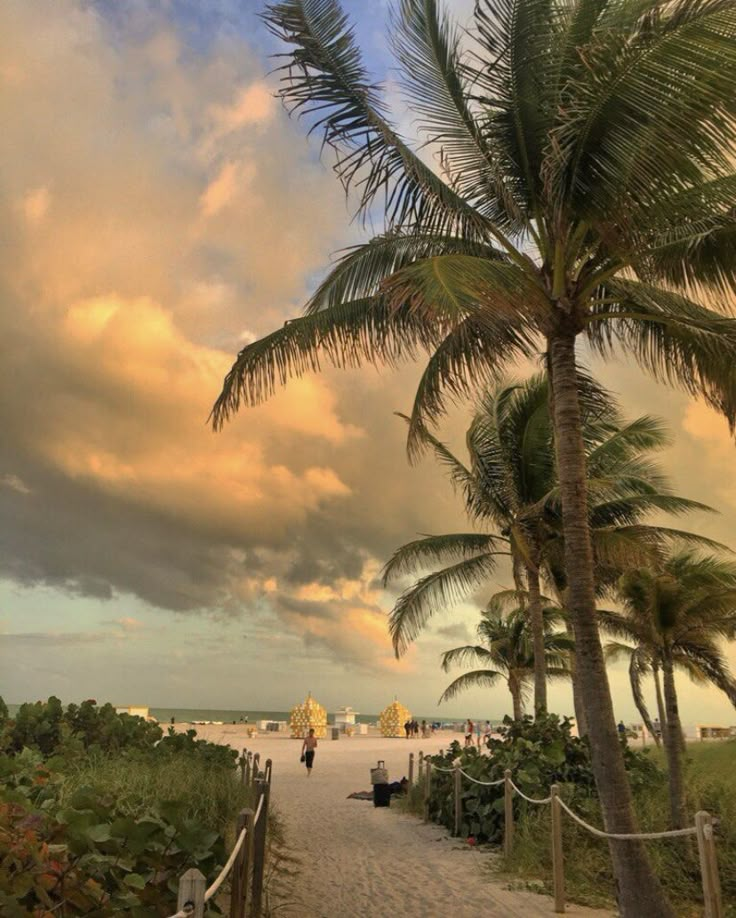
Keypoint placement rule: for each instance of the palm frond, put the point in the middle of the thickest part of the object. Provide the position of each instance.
(361, 270)
(434, 593)
(324, 78)
(675, 339)
(427, 45)
(344, 335)
(478, 678)
(653, 108)
(439, 549)
(467, 655)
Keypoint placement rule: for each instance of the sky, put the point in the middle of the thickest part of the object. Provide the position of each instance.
(158, 210)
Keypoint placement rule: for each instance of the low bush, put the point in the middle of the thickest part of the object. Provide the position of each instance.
(538, 753)
(100, 813)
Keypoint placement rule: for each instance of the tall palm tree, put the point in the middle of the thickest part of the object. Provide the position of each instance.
(586, 190)
(641, 664)
(678, 614)
(505, 651)
(511, 484)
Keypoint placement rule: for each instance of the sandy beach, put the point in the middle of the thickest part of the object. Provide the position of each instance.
(363, 862)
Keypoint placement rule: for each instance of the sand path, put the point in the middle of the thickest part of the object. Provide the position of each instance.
(363, 862)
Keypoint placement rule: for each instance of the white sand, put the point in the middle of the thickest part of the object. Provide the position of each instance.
(363, 862)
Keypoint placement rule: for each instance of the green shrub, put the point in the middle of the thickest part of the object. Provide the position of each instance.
(539, 753)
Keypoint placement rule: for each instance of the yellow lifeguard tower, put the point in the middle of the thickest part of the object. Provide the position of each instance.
(308, 716)
(393, 718)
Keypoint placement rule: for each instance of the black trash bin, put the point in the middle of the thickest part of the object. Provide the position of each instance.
(381, 795)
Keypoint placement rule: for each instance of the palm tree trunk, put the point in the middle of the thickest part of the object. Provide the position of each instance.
(577, 698)
(641, 707)
(660, 706)
(673, 747)
(536, 621)
(515, 689)
(639, 891)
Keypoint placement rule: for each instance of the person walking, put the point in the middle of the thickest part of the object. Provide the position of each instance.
(469, 733)
(308, 749)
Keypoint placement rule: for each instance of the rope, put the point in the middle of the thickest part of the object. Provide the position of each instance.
(184, 912)
(258, 810)
(482, 783)
(227, 868)
(622, 836)
(529, 799)
(447, 771)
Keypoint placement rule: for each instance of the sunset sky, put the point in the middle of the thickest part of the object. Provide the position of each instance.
(158, 209)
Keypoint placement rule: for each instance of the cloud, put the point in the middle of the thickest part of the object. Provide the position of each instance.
(169, 204)
(457, 632)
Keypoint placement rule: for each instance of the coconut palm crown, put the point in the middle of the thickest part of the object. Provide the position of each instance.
(510, 485)
(584, 187)
(505, 651)
(677, 614)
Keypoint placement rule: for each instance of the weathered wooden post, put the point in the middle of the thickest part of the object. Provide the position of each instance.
(458, 799)
(558, 870)
(411, 770)
(260, 832)
(248, 760)
(192, 888)
(242, 763)
(241, 867)
(508, 801)
(267, 771)
(421, 760)
(256, 766)
(427, 789)
(708, 865)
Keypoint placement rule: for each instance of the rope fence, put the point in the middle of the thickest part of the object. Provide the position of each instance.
(247, 859)
(703, 830)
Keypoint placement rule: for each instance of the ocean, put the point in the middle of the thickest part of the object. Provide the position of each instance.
(189, 715)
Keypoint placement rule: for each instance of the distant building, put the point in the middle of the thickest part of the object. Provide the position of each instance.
(345, 717)
(136, 710)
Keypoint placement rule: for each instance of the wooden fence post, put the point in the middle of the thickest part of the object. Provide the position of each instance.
(558, 870)
(411, 770)
(248, 759)
(259, 846)
(241, 867)
(242, 762)
(458, 799)
(256, 766)
(421, 760)
(192, 888)
(427, 789)
(709, 865)
(508, 828)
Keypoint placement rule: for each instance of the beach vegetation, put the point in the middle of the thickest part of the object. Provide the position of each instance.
(584, 194)
(510, 485)
(505, 652)
(103, 818)
(677, 615)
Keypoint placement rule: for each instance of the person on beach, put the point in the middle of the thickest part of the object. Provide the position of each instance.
(310, 744)
(469, 733)
(407, 728)
(487, 730)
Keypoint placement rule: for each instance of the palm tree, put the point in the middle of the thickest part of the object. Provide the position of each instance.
(640, 665)
(511, 484)
(505, 651)
(587, 186)
(676, 615)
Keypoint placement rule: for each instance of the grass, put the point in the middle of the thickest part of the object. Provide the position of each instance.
(211, 794)
(588, 877)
